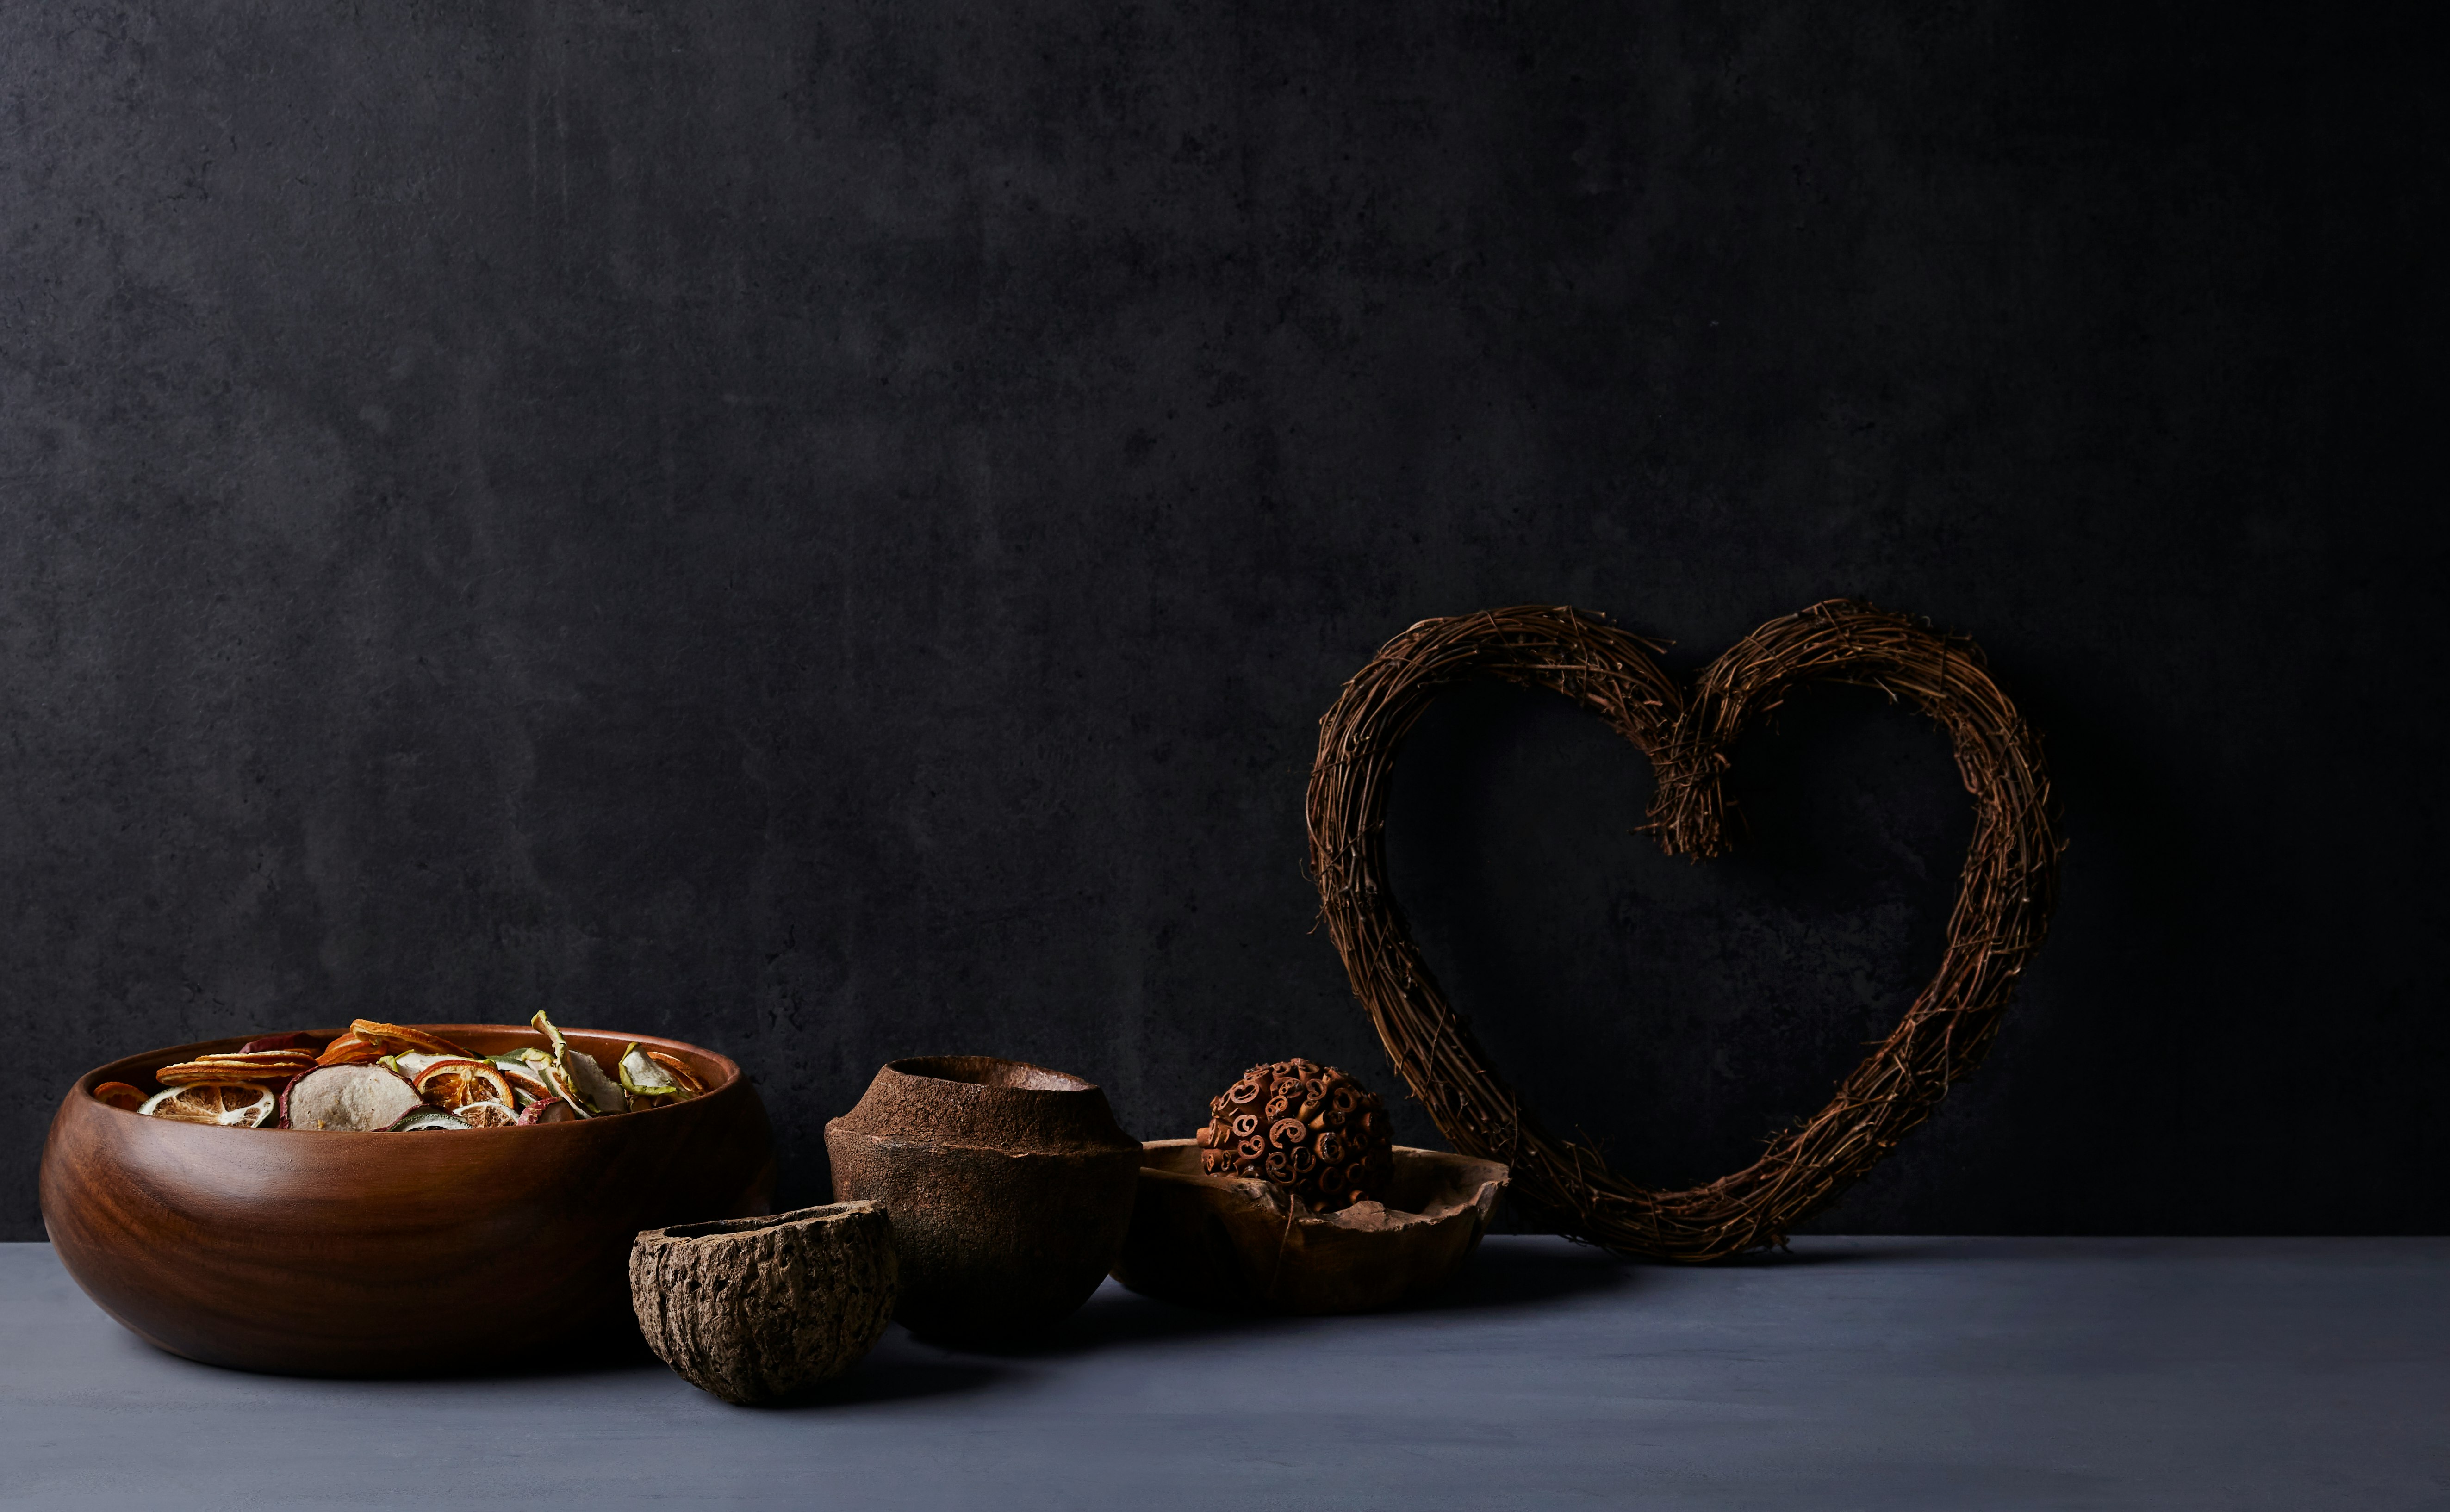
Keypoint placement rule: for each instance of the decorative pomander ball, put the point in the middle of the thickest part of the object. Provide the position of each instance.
(1309, 1128)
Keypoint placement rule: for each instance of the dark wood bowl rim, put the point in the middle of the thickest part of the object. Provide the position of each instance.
(140, 1067)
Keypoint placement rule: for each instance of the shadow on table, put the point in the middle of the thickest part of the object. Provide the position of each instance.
(888, 1376)
(1808, 1251)
(1504, 1273)
(1508, 1273)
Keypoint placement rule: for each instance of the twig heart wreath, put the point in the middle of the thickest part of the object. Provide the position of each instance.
(2003, 904)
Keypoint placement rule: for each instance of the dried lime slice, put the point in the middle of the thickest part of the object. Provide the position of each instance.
(427, 1118)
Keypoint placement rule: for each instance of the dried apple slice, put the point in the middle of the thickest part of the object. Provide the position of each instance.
(414, 1062)
(300, 1040)
(450, 1083)
(549, 1110)
(581, 1079)
(424, 1118)
(486, 1115)
(678, 1070)
(641, 1077)
(353, 1099)
(233, 1105)
(119, 1094)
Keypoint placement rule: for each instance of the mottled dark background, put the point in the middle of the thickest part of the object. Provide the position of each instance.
(825, 529)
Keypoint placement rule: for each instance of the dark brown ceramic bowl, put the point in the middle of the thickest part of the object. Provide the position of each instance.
(310, 1252)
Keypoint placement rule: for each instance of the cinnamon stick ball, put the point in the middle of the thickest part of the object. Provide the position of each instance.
(1308, 1127)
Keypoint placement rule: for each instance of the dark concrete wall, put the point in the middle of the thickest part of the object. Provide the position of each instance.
(826, 530)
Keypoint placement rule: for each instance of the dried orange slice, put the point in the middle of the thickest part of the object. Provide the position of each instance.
(274, 1066)
(392, 1040)
(486, 1115)
(349, 1050)
(231, 1104)
(119, 1094)
(449, 1083)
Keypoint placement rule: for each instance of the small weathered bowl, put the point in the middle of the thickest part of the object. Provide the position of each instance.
(1228, 1242)
(1009, 1187)
(756, 1309)
(311, 1252)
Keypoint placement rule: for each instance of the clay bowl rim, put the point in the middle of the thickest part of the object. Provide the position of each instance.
(1066, 1084)
(1495, 1172)
(141, 1067)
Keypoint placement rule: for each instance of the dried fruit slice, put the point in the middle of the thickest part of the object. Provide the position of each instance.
(411, 1064)
(525, 1079)
(273, 1066)
(551, 1110)
(392, 1040)
(486, 1115)
(356, 1098)
(641, 1077)
(581, 1079)
(233, 1105)
(349, 1050)
(680, 1073)
(119, 1094)
(426, 1118)
(450, 1083)
(302, 1040)
(564, 1093)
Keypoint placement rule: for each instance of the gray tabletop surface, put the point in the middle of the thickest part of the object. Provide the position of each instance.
(1876, 1373)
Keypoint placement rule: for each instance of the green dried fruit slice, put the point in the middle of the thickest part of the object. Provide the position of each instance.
(581, 1079)
(641, 1077)
(427, 1118)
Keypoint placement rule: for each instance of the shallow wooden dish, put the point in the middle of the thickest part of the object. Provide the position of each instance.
(309, 1252)
(1227, 1243)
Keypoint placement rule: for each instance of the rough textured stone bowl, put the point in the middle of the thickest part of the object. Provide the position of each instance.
(311, 1252)
(1229, 1242)
(756, 1309)
(1009, 1187)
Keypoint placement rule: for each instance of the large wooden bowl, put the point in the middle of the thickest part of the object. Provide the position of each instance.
(310, 1252)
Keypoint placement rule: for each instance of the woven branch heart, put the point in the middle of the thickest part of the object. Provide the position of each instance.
(2003, 904)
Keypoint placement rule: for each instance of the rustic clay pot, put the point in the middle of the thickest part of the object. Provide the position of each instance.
(1229, 1242)
(312, 1252)
(1009, 1187)
(756, 1309)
